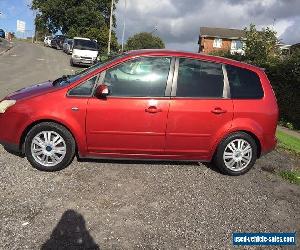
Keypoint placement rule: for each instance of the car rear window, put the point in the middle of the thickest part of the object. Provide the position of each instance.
(244, 83)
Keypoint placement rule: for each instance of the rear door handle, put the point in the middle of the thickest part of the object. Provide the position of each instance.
(218, 111)
(153, 109)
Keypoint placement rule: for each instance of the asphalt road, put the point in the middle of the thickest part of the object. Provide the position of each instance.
(27, 64)
(132, 205)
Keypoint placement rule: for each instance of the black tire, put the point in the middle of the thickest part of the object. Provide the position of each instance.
(72, 63)
(219, 162)
(60, 130)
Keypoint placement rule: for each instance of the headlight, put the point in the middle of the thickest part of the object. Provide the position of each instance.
(4, 105)
(75, 56)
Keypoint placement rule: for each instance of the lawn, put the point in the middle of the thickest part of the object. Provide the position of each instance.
(292, 144)
(288, 142)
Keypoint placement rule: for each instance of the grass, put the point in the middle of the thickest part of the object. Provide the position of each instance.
(291, 176)
(291, 144)
(288, 142)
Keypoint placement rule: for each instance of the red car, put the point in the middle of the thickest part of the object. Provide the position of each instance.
(147, 104)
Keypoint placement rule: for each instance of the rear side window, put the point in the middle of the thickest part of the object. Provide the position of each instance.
(244, 83)
(199, 79)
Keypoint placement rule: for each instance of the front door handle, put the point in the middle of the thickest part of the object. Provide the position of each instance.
(153, 109)
(218, 111)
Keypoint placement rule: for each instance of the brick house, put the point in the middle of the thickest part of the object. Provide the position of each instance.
(216, 39)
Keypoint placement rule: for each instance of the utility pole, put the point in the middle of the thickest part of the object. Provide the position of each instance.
(124, 25)
(110, 26)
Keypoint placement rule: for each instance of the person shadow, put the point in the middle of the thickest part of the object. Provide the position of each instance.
(70, 233)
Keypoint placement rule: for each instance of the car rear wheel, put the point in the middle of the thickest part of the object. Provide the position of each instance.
(236, 154)
(49, 147)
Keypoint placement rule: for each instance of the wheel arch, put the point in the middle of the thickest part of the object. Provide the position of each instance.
(254, 136)
(31, 125)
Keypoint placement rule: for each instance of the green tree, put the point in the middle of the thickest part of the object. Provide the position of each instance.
(77, 18)
(261, 47)
(144, 40)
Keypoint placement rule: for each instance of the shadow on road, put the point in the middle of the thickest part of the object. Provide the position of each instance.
(152, 162)
(70, 233)
(137, 161)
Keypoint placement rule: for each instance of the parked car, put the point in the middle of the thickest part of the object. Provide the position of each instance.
(57, 42)
(148, 104)
(47, 41)
(85, 51)
(68, 46)
(2, 33)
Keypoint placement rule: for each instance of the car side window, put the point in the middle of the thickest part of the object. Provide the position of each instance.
(85, 88)
(244, 83)
(199, 79)
(140, 77)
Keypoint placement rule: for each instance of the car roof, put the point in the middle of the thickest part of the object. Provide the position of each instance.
(166, 52)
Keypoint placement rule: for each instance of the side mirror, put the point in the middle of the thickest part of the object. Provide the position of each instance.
(102, 91)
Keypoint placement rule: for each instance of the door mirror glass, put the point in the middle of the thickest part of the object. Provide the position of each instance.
(102, 91)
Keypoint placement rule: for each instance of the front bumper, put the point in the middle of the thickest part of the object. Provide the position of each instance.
(83, 61)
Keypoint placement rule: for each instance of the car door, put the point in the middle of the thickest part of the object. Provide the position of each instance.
(132, 120)
(200, 110)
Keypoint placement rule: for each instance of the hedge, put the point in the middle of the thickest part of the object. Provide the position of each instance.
(285, 79)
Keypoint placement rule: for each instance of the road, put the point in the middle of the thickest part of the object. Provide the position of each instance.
(128, 204)
(27, 64)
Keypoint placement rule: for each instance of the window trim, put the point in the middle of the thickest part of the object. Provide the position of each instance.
(169, 82)
(226, 87)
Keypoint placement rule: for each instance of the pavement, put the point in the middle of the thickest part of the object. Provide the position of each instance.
(130, 204)
(4, 46)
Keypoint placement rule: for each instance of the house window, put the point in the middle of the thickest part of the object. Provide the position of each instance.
(217, 43)
(237, 45)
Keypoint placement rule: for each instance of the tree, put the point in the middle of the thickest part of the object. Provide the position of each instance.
(87, 18)
(144, 40)
(261, 47)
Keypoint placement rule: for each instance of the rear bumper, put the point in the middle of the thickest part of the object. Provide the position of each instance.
(269, 144)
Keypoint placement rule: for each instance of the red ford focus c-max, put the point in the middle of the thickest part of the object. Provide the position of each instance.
(147, 104)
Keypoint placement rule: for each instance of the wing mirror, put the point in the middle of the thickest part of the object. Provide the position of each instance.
(102, 91)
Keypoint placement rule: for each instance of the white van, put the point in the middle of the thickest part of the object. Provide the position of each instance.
(85, 51)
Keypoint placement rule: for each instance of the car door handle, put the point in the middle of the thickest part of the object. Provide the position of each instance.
(153, 109)
(218, 111)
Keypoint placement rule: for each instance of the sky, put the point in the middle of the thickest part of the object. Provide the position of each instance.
(178, 21)
(13, 10)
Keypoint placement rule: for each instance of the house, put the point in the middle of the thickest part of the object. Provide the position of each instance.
(217, 39)
(284, 49)
(295, 47)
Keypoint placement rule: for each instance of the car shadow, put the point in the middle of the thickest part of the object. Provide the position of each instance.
(146, 162)
(19, 154)
(70, 233)
(209, 165)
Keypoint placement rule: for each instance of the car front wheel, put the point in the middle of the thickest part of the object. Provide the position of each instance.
(49, 147)
(236, 154)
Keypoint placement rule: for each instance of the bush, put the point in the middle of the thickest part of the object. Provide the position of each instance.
(285, 79)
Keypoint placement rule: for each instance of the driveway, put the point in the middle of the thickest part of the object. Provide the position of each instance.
(129, 204)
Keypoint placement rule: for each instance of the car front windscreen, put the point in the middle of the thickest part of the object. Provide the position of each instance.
(85, 45)
(66, 80)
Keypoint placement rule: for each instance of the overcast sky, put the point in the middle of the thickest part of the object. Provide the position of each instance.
(178, 21)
